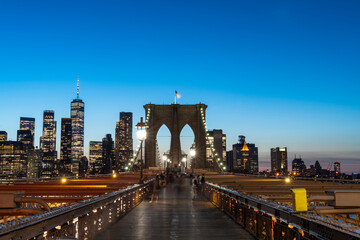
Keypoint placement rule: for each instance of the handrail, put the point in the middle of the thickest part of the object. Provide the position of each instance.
(33, 226)
(283, 215)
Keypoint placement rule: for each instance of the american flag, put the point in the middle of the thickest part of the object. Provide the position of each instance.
(177, 94)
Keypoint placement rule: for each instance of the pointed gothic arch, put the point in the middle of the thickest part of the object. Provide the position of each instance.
(175, 117)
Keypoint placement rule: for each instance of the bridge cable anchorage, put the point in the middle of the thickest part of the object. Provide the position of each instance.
(134, 160)
(210, 145)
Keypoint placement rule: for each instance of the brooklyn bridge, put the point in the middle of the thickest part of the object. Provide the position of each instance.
(225, 205)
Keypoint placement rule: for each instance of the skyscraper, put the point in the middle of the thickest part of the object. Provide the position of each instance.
(123, 140)
(95, 155)
(279, 160)
(230, 160)
(83, 166)
(26, 137)
(77, 134)
(218, 139)
(34, 164)
(48, 139)
(107, 154)
(65, 148)
(48, 145)
(27, 123)
(13, 159)
(3, 136)
(246, 157)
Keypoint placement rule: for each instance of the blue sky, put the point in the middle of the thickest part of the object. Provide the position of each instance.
(283, 73)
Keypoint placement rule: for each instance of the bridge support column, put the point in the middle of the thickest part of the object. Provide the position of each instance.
(175, 147)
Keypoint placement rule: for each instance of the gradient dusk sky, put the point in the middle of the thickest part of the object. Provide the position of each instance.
(282, 73)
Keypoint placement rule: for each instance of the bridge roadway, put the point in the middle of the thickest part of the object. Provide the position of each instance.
(175, 216)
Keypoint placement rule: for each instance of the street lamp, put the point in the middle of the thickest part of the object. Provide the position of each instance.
(192, 152)
(184, 163)
(164, 158)
(192, 155)
(141, 136)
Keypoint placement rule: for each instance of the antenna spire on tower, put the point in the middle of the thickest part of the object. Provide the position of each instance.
(77, 92)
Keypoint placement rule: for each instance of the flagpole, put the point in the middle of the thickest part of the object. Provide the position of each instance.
(175, 98)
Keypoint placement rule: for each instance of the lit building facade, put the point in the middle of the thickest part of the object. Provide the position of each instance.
(246, 157)
(27, 123)
(230, 160)
(26, 137)
(123, 140)
(95, 155)
(48, 145)
(279, 162)
(48, 164)
(298, 167)
(108, 154)
(218, 139)
(77, 132)
(83, 166)
(65, 146)
(48, 139)
(3, 136)
(34, 164)
(13, 159)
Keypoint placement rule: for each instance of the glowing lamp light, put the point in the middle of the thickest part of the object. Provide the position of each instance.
(141, 135)
(63, 180)
(114, 175)
(287, 180)
(192, 152)
(184, 159)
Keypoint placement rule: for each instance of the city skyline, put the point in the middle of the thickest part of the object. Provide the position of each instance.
(284, 74)
(264, 160)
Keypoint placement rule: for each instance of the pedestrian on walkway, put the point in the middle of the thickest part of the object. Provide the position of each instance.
(162, 180)
(156, 189)
(202, 182)
(195, 185)
(199, 188)
(202, 179)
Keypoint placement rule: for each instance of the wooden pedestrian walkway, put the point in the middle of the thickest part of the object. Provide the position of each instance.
(175, 216)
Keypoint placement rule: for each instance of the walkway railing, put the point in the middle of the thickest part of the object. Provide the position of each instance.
(268, 220)
(81, 220)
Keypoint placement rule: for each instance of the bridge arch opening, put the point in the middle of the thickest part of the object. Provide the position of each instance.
(163, 138)
(187, 139)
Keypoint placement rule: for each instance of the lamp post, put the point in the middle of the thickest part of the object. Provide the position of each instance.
(141, 136)
(164, 158)
(184, 163)
(192, 155)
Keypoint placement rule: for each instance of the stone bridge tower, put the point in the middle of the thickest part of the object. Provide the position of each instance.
(175, 117)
